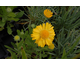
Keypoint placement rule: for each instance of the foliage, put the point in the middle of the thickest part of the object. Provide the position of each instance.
(7, 15)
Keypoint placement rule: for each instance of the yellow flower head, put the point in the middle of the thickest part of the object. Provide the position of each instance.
(51, 46)
(43, 34)
(48, 13)
(16, 38)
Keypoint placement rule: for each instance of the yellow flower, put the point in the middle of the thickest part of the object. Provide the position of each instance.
(43, 34)
(48, 13)
(51, 46)
(16, 38)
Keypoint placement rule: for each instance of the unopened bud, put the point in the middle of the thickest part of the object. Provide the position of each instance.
(9, 9)
(32, 25)
(16, 38)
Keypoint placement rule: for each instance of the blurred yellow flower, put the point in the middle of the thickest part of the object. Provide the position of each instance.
(43, 34)
(51, 46)
(16, 38)
(48, 13)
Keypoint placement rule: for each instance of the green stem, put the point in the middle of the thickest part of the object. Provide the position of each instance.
(44, 19)
(24, 27)
(40, 54)
(29, 23)
(12, 35)
(17, 43)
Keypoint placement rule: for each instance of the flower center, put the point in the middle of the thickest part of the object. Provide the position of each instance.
(44, 34)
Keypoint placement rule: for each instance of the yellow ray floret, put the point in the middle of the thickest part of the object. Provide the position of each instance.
(43, 34)
(48, 13)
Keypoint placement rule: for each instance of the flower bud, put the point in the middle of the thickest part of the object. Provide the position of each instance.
(32, 25)
(16, 38)
(9, 9)
(51, 46)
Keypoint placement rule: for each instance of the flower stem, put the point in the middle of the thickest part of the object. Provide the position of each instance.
(12, 35)
(17, 43)
(40, 54)
(44, 20)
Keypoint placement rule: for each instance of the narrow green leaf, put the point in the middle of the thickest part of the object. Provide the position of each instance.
(64, 53)
(23, 54)
(50, 57)
(14, 45)
(9, 48)
(66, 13)
(73, 46)
(77, 56)
(13, 55)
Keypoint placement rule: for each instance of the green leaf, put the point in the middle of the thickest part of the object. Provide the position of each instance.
(73, 46)
(13, 55)
(10, 19)
(64, 53)
(23, 54)
(9, 48)
(2, 24)
(19, 45)
(3, 9)
(50, 57)
(14, 45)
(19, 14)
(11, 14)
(18, 32)
(66, 13)
(9, 30)
(77, 56)
(30, 30)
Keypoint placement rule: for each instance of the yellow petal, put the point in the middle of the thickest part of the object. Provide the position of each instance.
(48, 26)
(40, 43)
(39, 27)
(36, 30)
(48, 42)
(43, 25)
